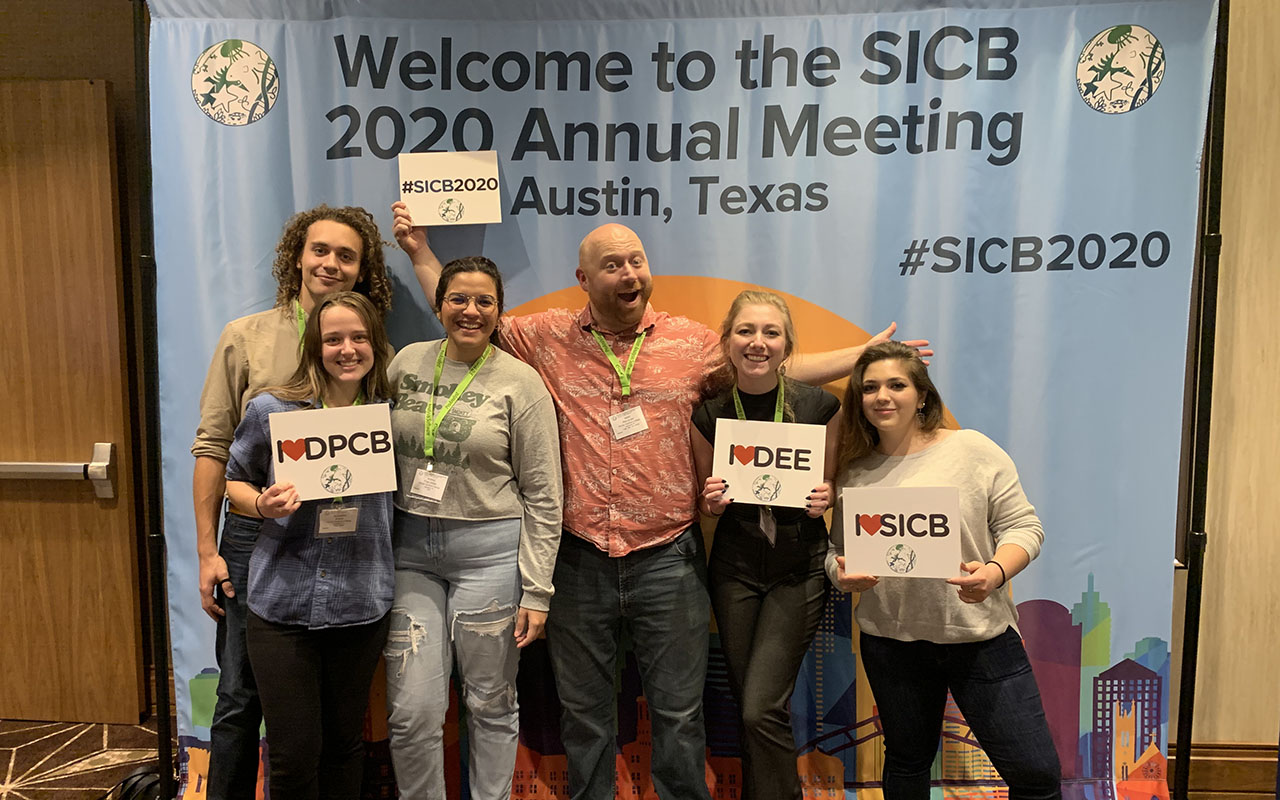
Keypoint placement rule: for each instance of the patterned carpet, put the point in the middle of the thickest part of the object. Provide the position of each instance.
(64, 760)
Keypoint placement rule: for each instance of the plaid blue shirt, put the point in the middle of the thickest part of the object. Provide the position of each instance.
(295, 576)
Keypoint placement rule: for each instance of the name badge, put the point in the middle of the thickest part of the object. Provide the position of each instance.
(337, 521)
(428, 485)
(628, 423)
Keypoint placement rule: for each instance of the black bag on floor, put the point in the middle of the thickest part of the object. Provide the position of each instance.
(142, 784)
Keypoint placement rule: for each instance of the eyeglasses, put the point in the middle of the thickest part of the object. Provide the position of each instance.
(459, 300)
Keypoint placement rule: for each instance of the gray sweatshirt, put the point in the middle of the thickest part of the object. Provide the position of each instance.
(499, 446)
(994, 511)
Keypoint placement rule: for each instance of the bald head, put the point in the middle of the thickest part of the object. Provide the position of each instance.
(614, 272)
(609, 233)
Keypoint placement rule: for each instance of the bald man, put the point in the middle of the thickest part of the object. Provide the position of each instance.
(625, 380)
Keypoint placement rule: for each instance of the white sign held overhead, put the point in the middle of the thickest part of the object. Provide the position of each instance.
(906, 531)
(334, 452)
(451, 188)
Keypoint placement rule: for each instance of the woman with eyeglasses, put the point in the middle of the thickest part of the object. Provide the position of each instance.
(476, 529)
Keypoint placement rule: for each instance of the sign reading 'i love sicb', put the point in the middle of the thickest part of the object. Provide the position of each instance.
(905, 531)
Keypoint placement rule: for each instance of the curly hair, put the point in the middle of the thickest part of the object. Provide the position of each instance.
(372, 281)
(858, 436)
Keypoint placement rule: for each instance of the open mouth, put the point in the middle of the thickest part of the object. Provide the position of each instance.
(629, 297)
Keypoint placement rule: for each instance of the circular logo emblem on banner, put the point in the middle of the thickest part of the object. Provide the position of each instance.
(900, 558)
(1120, 69)
(766, 488)
(335, 479)
(451, 210)
(235, 82)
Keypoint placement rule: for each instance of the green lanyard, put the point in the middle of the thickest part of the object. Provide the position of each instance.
(624, 375)
(432, 423)
(777, 407)
(301, 316)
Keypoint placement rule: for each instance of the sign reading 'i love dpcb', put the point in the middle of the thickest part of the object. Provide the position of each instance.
(769, 463)
(908, 531)
(334, 452)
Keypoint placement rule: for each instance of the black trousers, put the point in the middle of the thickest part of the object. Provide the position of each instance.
(314, 686)
(768, 601)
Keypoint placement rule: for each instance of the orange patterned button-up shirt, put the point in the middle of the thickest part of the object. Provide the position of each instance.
(621, 495)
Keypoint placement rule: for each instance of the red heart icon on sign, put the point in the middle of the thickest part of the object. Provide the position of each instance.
(294, 448)
(743, 454)
(869, 523)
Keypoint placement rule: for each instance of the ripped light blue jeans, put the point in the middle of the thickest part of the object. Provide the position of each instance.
(457, 590)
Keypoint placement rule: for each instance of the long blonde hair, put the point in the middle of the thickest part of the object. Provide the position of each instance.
(726, 376)
(310, 378)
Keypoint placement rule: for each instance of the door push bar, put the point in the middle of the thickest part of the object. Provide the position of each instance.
(101, 470)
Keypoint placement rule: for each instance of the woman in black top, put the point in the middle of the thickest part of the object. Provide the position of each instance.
(768, 586)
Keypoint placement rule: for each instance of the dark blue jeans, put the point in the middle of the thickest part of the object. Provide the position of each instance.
(660, 594)
(237, 717)
(996, 692)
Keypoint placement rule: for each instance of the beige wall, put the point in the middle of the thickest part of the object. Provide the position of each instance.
(1238, 677)
(1238, 694)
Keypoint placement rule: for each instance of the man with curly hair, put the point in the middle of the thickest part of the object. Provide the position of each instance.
(321, 251)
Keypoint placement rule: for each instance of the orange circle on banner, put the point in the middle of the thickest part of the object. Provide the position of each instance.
(706, 300)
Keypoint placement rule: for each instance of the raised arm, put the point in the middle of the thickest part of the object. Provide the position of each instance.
(831, 365)
(413, 240)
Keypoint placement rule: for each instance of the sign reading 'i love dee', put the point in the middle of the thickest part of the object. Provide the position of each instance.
(769, 463)
(905, 531)
(334, 452)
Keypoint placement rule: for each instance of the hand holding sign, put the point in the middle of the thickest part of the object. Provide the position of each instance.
(853, 583)
(819, 499)
(715, 493)
(978, 581)
(278, 500)
(412, 239)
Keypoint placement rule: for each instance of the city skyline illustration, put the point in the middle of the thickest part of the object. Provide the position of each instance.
(1107, 710)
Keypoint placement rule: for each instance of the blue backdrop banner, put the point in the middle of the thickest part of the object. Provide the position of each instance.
(1016, 181)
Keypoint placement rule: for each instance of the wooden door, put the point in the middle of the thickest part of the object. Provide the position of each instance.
(70, 588)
